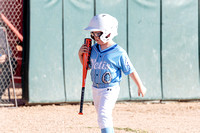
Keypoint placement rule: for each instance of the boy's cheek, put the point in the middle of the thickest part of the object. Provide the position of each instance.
(99, 42)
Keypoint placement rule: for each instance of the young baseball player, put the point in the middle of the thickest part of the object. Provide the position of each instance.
(108, 60)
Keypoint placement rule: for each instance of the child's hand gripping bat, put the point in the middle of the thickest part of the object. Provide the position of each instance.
(86, 59)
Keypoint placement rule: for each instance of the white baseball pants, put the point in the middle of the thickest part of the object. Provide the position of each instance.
(104, 102)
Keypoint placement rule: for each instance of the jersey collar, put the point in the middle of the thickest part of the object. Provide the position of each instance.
(107, 49)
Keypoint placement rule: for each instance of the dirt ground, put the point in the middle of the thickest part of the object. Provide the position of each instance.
(128, 117)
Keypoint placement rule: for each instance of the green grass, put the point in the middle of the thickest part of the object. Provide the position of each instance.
(131, 130)
(92, 127)
(126, 129)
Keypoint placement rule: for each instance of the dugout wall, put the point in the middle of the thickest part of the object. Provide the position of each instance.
(160, 36)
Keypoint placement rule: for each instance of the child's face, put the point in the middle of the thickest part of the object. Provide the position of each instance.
(96, 36)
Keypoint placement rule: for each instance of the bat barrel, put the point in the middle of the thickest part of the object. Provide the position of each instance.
(88, 42)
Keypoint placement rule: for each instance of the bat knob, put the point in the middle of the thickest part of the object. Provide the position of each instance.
(80, 113)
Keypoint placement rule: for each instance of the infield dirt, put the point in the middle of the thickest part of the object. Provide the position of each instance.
(128, 117)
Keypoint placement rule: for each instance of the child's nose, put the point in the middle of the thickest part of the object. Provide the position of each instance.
(96, 37)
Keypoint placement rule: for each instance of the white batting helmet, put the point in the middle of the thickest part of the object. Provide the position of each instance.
(105, 23)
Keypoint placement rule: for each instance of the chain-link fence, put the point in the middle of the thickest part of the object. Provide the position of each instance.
(12, 10)
(7, 65)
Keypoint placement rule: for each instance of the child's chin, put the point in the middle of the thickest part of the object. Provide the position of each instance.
(99, 42)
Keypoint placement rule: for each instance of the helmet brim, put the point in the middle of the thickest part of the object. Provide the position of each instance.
(92, 29)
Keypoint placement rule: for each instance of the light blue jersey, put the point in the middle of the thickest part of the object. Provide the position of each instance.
(106, 65)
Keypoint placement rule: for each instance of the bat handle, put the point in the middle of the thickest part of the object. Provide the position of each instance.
(81, 104)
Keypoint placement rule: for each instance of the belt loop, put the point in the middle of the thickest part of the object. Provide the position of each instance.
(97, 85)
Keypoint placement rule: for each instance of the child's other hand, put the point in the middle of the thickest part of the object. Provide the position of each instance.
(83, 49)
(142, 90)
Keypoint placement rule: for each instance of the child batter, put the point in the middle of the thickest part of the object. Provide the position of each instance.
(108, 60)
